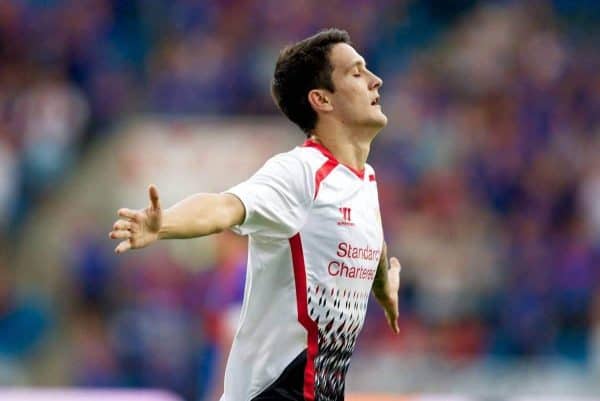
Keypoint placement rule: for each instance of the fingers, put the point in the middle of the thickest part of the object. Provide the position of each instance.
(394, 325)
(123, 229)
(122, 225)
(123, 247)
(153, 194)
(391, 313)
(128, 213)
(391, 316)
(130, 227)
(120, 234)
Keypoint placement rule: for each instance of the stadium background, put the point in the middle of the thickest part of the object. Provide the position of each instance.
(489, 178)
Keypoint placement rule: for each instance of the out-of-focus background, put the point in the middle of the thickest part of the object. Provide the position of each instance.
(488, 172)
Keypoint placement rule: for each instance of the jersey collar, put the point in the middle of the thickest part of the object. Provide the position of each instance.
(313, 144)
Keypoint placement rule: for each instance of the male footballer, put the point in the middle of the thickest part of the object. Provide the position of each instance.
(316, 247)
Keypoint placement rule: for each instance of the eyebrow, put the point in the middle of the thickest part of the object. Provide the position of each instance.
(360, 62)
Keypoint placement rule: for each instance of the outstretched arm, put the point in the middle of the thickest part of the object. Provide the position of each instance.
(385, 287)
(195, 216)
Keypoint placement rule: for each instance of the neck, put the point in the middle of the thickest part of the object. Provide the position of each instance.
(348, 146)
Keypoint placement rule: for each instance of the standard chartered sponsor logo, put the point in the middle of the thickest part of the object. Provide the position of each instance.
(341, 269)
(347, 250)
(355, 268)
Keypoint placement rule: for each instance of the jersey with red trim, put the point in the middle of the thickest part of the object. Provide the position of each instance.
(315, 240)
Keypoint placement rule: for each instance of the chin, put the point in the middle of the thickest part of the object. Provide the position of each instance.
(375, 121)
(380, 121)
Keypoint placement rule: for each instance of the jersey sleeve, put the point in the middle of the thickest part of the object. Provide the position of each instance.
(276, 198)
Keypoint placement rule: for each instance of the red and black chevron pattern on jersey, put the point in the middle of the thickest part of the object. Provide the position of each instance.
(339, 314)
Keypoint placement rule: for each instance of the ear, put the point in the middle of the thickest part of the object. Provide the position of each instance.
(319, 100)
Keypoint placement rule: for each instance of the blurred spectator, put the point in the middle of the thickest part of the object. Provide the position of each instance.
(50, 115)
(24, 325)
(8, 182)
(590, 195)
(595, 335)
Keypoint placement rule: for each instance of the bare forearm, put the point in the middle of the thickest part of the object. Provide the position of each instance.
(381, 288)
(200, 215)
(386, 285)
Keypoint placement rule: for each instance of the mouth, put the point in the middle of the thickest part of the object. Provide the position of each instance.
(375, 102)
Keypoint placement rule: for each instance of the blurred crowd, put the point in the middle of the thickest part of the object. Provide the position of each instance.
(488, 173)
(490, 185)
(70, 69)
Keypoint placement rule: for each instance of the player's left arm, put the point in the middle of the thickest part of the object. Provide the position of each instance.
(386, 286)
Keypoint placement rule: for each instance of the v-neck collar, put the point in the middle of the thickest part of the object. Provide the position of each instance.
(313, 144)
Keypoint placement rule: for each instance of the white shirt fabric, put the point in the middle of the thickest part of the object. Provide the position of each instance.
(315, 239)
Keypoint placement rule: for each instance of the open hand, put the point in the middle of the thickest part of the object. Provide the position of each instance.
(389, 302)
(138, 228)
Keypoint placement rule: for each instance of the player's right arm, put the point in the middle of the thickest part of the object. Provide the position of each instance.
(195, 216)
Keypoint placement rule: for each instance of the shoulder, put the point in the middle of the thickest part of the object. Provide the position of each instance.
(291, 170)
(300, 159)
(309, 156)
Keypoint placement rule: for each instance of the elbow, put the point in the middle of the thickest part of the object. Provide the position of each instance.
(232, 212)
(223, 220)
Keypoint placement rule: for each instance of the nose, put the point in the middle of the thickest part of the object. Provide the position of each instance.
(376, 82)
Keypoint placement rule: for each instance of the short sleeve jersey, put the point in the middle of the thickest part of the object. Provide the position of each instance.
(315, 240)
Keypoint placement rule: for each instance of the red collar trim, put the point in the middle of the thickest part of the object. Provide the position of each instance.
(309, 143)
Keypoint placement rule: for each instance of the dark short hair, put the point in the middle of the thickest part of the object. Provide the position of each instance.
(300, 68)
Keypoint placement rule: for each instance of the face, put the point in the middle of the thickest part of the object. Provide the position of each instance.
(355, 101)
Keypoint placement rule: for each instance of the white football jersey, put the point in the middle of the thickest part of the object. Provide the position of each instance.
(315, 240)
